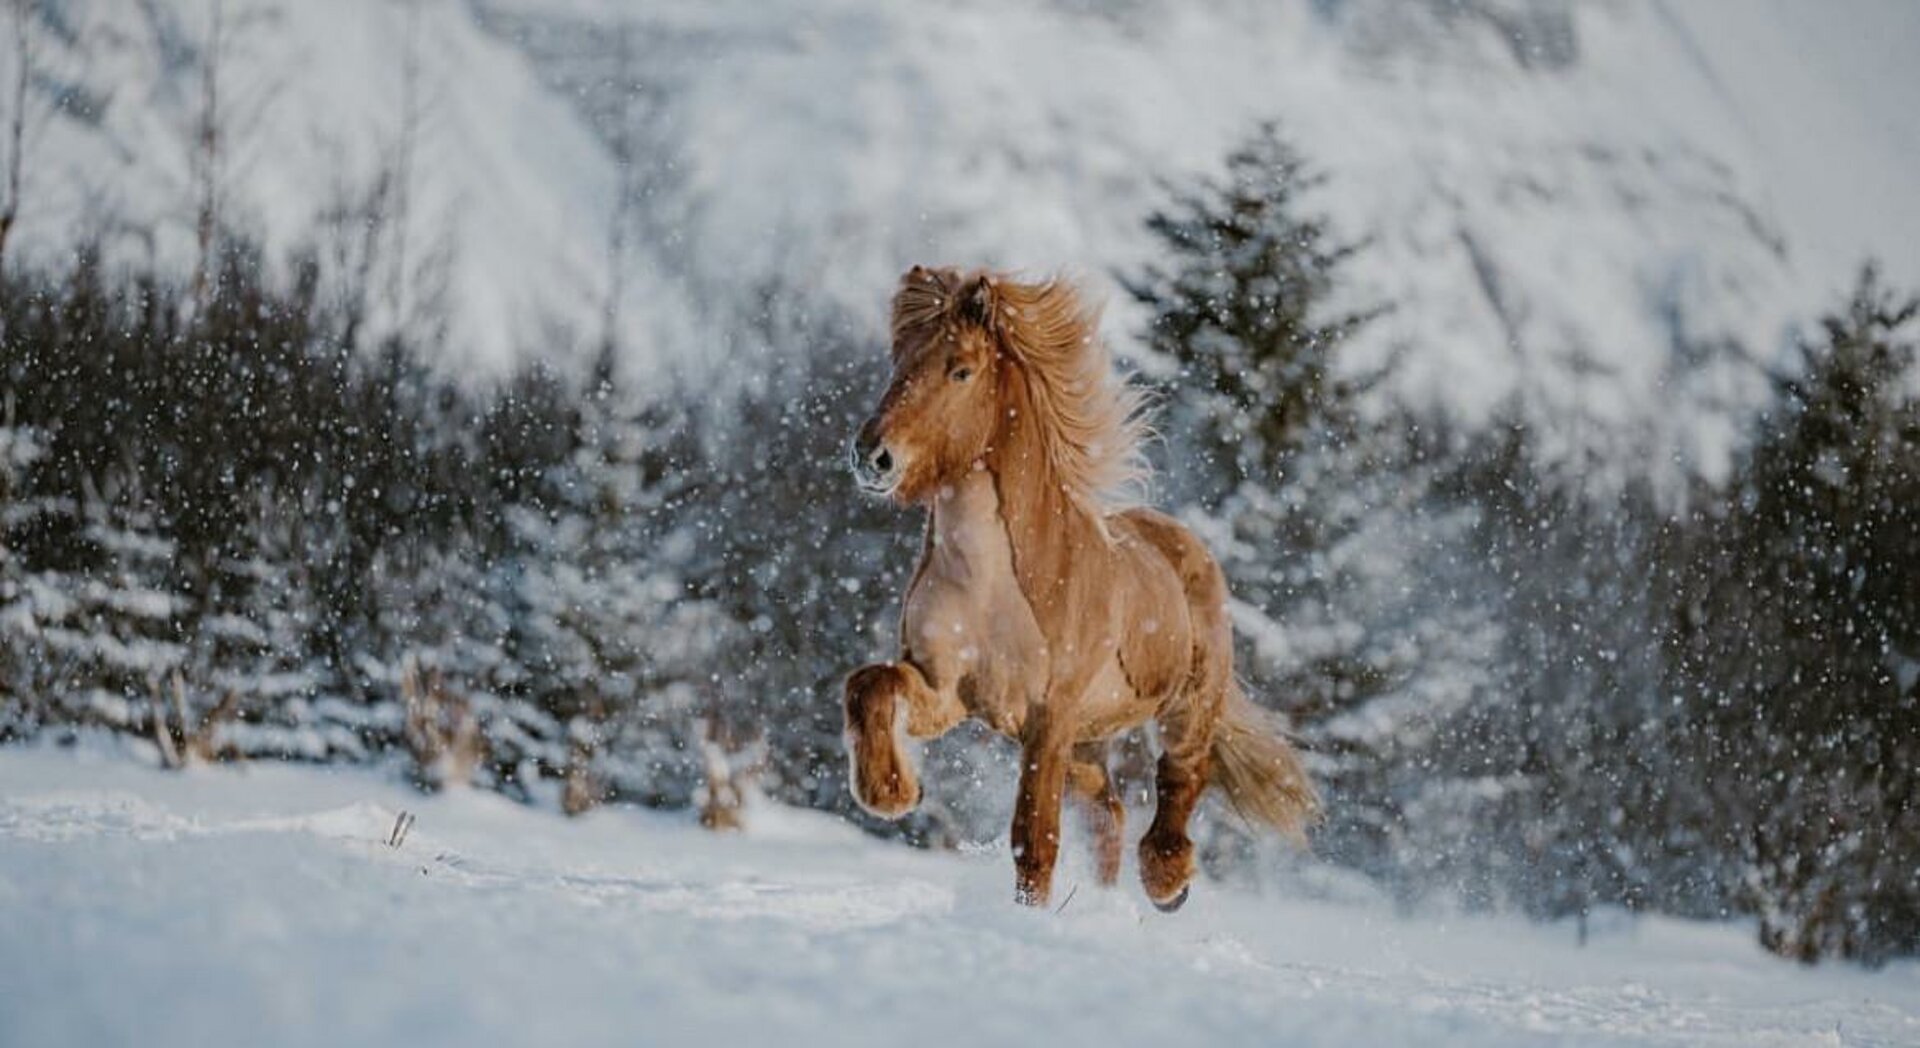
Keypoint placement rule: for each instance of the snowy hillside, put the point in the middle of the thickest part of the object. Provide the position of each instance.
(262, 906)
(1566, 198)
(317, 102)
(1556, 191)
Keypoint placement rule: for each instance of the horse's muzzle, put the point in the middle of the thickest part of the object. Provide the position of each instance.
(873, 463)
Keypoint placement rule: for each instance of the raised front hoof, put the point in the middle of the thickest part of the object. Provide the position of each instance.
(888, 798)
(883, 781)
(1172, 905)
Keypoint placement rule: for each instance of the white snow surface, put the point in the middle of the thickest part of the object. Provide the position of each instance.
(261, 906)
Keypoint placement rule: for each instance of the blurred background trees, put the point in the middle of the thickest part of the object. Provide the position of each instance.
(252, 525)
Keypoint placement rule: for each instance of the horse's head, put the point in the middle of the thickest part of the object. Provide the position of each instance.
(940, 409)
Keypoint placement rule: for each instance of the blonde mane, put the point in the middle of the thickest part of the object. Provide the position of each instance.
(1090, 423)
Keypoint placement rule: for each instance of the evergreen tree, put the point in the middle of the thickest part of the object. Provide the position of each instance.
(23, 667)
(1296, 495)
(612, 640)
(1245, 308)
(1265, 409)
(116, 630)
(810, 570)
(1556, 777)
(268, 656)
(1798, 650)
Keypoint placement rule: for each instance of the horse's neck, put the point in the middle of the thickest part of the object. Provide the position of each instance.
(1045, 527)
(968, 529)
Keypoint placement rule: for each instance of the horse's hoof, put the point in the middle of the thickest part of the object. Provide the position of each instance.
(1172, 905)
(888, 803)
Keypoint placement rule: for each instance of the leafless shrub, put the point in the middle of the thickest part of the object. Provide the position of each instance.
(183, 739)
(442, 732)
(732, 760)
(582, 790)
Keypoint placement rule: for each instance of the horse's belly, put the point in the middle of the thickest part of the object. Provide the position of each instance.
(1110, 704)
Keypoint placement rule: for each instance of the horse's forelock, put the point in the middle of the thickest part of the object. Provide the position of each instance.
(923, 303)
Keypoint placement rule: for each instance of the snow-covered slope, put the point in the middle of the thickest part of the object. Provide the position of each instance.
(262, 906)
(1558, 192)
(1566, 197)
(313, 105)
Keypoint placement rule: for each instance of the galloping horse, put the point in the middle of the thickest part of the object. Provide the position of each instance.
(1039, 605)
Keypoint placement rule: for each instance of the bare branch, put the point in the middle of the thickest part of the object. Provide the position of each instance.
(406, 141)
(620, 138)
(208, 142)
(23, 43)
(162, 730)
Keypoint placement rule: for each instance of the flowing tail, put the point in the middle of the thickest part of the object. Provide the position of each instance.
(1260, 771)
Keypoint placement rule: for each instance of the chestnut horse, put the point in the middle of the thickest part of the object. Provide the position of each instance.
(1039, 605)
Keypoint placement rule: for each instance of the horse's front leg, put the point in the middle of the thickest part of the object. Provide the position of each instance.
(1045, 754)
(884, 782)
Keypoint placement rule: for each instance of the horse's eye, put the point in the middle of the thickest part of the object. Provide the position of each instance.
(961, 374)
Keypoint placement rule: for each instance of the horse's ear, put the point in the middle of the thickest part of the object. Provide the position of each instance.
(978, 301)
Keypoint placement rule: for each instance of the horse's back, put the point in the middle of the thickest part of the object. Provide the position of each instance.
(1200, 670)
(1199, 574)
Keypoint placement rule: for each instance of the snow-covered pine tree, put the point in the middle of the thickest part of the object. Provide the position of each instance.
(23, 666)
(616, 653)
(438, 657)
(115, 638)
(658, 641)
(1313, 511)
(1246, 307)
(1800, 652)
(782, 543)
(1557, 778)
(289, 692)
(1261, 418)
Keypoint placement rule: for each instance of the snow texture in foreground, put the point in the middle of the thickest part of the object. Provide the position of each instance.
(261, 906)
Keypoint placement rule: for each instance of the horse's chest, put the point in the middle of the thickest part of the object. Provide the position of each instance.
(966, 621)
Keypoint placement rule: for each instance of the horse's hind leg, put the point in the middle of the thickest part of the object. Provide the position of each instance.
(883, 780)
(1100, 803)
(1166, 852)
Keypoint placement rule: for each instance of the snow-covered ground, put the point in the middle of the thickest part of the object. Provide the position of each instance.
(261, 906)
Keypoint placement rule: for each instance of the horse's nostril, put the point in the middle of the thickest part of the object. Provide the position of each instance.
(883, 461)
